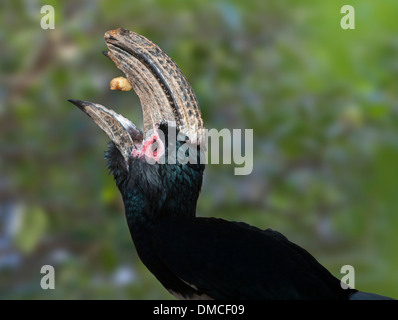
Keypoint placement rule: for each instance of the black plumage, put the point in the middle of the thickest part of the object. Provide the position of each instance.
(192, 257)
(208, 257)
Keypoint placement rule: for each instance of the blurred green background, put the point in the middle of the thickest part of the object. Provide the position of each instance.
(323, 103)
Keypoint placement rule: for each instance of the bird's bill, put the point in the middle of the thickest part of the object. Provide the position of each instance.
(124, 134)
(165, 94)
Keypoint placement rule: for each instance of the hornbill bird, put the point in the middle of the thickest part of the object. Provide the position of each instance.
(193, 257)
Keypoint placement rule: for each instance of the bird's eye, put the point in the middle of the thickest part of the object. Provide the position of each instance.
(155, 148)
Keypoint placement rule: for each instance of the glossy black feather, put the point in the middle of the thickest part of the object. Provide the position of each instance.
(207, 257)
(228, 260)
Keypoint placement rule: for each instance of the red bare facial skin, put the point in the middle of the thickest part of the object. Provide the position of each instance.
(152, 148)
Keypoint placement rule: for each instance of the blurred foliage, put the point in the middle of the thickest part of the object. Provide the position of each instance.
(322, 102)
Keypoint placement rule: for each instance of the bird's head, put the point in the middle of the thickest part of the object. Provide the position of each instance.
(161, 164)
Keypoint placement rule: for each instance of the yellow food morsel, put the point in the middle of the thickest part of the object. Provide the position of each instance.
(120, 84)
